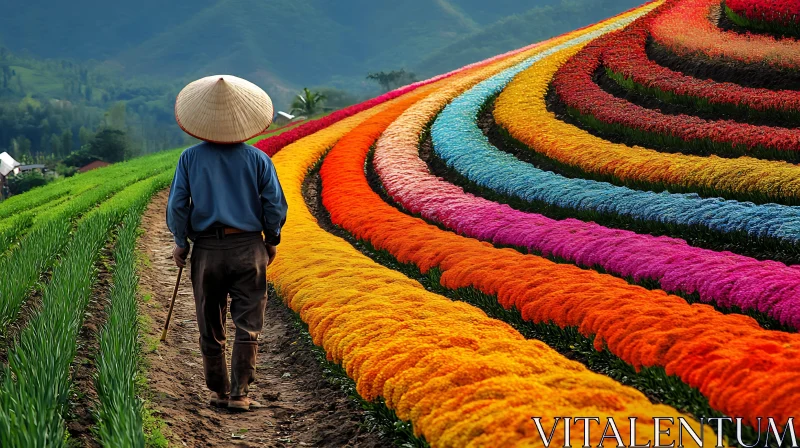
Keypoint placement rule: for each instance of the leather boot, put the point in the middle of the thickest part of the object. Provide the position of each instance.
(243, 367)
(216, 373)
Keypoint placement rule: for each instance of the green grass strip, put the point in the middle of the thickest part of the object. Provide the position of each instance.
(34, 198)
(11, 228)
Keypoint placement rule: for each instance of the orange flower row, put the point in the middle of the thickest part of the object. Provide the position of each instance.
(461, 378)
(743, 369)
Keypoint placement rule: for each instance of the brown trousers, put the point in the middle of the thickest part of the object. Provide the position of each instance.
(235, 265)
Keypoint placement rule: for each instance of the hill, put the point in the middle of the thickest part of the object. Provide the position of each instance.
(285, 44)
(518, 30)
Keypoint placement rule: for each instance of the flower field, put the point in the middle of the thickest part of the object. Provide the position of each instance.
(765, 15)
(574, 228)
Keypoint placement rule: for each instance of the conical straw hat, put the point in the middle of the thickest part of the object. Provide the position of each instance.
(223, 109)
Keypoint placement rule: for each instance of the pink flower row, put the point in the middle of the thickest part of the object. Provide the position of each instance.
(724, 278)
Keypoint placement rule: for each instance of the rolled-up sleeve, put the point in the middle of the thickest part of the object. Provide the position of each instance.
(273, 203)
(179, 205)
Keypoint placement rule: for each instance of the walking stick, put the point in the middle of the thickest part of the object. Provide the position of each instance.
(171, 306)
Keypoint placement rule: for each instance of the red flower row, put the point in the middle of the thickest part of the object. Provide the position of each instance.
(780, 12)
(627, 57)
(574, 85)
(686, 28)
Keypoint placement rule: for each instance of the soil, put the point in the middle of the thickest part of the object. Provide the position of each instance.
(83, 396)
(301, 408)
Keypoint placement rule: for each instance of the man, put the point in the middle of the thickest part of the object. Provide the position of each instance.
(225, 194)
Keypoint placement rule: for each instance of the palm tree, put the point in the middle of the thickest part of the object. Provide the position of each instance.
(307, 103)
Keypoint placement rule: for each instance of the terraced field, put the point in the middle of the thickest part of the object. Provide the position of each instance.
(602, 224)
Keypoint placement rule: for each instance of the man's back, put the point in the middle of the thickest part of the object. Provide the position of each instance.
(230, 185)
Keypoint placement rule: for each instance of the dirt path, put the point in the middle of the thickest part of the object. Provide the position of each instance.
(302, 408)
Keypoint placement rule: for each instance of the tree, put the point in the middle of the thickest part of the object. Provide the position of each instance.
(21, 147)
(116, 117)
(66, 142)
(56, 145)
(25, 181)
(307, 103)
(110, 145)
(392, 80)
(5, 67)
(78, 159)
(337, 98)
(85, 136)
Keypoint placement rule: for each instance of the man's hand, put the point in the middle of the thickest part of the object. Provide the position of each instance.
(179, 255)
(272, 252)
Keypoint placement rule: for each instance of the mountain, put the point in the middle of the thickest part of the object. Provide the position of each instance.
(285, 44)
(518, 30)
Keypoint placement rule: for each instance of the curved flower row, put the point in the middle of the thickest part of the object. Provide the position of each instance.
(723, 278)
(782, 16)
(574, 85)
(686, 30)
(523, 102)
(461, 378)
(627, 58)
(743, 369)
(459, 142)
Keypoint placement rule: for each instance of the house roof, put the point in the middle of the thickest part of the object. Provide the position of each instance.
(285, 115)
(94, 165)
(7, 164)
(36, 166)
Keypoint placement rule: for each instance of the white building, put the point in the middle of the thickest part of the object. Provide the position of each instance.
(8, 167)
(282, 118)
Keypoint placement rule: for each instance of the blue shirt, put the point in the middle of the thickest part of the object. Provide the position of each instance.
(230, 185)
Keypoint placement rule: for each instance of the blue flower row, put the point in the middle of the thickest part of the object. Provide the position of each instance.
(459, 142)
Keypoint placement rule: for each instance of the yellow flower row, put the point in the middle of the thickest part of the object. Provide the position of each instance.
(462, 378)
(521, 109)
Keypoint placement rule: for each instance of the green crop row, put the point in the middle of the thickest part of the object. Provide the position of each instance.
(36, 382)
(119, 412)
(36, 197)
(50, 231)
(21, 272)
(48, 200)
